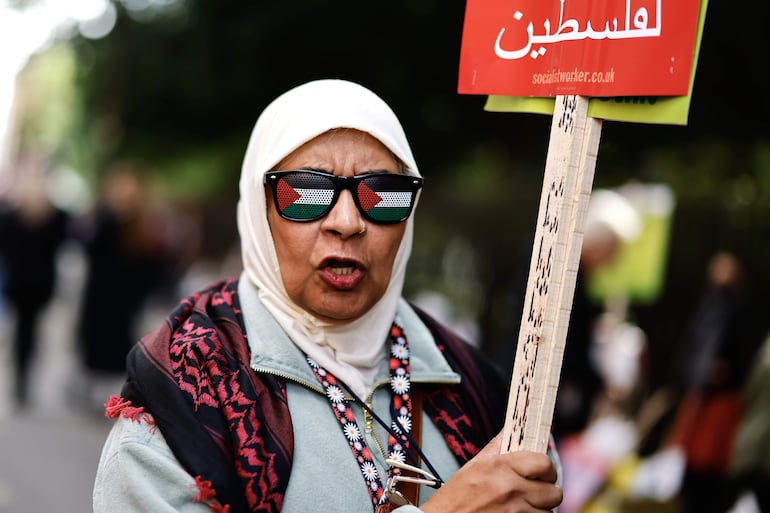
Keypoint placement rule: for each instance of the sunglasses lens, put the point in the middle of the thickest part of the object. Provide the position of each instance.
(303, 196)
(387, 198)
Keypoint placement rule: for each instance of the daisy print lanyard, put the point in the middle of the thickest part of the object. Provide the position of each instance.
(400, 409)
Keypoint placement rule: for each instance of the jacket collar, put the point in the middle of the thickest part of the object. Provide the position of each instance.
(273, 352)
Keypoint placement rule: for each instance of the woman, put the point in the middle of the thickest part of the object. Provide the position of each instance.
(268, 393)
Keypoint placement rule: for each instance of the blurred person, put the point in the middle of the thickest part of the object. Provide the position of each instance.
(128, 259)
(611, 220)
(720, 339)
(602, 362)
(308, 383)
(32, 230)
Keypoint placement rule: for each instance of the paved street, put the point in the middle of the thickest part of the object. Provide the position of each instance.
(49, 462)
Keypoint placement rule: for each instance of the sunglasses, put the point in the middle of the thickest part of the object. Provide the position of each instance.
(306, 195)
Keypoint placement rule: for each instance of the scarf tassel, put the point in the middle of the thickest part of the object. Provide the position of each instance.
(116, 407)
(206, 493)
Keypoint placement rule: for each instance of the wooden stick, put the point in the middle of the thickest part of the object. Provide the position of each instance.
(569, 173)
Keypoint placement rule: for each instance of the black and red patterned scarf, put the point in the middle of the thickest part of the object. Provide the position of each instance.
(231, 428)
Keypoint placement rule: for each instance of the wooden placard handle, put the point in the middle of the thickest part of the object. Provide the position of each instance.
(569, 173)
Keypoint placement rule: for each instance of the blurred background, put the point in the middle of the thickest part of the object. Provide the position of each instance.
(122, 128)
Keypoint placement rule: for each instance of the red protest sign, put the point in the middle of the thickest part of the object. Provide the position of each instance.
(546, 48)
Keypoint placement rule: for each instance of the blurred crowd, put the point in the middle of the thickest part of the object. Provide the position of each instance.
(129, 251)
(701, 443)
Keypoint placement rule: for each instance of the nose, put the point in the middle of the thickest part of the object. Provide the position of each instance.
(344, 218)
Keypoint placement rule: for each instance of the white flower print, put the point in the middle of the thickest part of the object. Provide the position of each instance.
(352, 433)
(400, 384)
(397, 456)
(399, 351)
(369, 470)
(406, 422)
(335, 395)
(312, 362)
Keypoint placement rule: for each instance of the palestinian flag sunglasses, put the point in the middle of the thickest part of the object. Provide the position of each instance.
(307, 195)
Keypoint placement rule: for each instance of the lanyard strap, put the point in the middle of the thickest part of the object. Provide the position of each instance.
(411, 490)
(400, 409)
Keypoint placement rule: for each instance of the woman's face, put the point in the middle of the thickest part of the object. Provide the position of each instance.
(339, 266)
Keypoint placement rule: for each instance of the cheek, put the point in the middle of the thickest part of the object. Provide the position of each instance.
(386, 249)
(292, 243)
(286, 246)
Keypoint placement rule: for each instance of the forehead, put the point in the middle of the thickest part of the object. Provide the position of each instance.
(343, 149)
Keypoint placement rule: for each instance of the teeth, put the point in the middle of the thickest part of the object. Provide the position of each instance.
(342, 271)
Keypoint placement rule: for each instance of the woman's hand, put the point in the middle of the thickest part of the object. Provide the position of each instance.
(491, 482)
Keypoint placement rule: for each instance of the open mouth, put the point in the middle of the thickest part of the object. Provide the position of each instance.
(340, 267)
(343, 271)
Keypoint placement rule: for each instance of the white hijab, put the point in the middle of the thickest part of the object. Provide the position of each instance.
(352, 351)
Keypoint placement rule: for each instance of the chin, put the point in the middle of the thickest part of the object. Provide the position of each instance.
(340, 314)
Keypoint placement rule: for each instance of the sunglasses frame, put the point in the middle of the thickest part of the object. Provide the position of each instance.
(340, 183)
